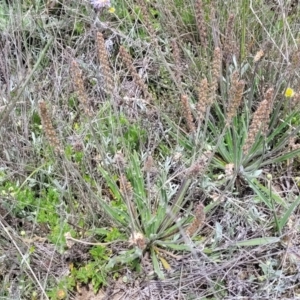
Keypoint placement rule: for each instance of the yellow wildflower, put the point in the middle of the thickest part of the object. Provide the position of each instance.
(112, 10)
(289, 93)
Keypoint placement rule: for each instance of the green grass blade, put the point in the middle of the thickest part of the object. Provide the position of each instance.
(173, 246)
(177, 205)
(116, 215)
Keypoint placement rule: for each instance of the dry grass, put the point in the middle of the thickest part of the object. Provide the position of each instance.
(159, 65)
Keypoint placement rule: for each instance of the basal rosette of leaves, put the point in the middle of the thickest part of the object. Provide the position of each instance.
(152, 220)
(271, 142)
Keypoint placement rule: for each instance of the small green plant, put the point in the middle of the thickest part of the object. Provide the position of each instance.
(42, 209)
(61, 290)
(253, 141)
(244, 140)
(94, 271)
(150, 222)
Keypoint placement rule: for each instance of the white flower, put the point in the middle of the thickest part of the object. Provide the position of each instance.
(100, 3)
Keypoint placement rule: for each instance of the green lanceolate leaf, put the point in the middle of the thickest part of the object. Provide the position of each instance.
(258, 241)
(124, 258)
(117, 215)
(264, 193)
(156, 266)
(284, 219)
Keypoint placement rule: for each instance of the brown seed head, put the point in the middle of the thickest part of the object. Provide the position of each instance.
(125, 188)
(215, 75)
(177, 67)
(260, 120)
(202, 30)
(146, 21)
(187, 113)
(104, 62)
(198, 220)
(235, 96)
(48, 128)
(229, 46)
(79, 87)
(126, 58)
(203, 100)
